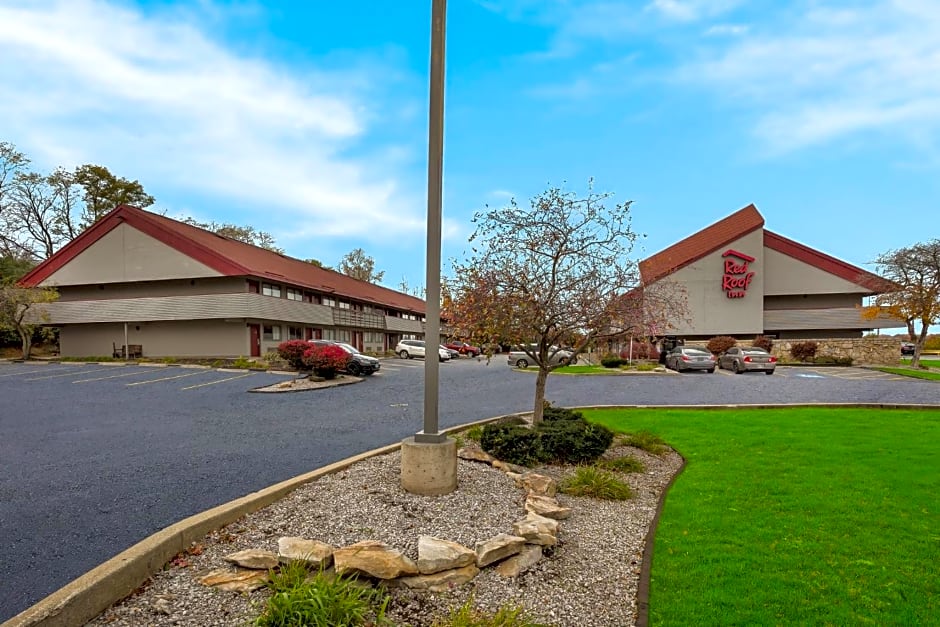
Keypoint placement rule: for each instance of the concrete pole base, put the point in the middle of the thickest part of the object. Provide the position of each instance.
(429, 468)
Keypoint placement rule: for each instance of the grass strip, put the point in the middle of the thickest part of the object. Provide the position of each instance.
(822, 516)
(908, 372)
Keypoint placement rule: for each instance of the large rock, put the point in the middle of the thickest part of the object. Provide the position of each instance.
(507, 467)
(374, 559)
(435, 555)
(313, 552)
(238, 580)
(537, 484)
(442, 581)
(475, 455)
(253, 558)
(537, 530)
(497, 548)
(521, 562)
(546, 506)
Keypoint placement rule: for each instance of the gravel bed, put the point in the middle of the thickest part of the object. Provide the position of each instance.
(589, 579)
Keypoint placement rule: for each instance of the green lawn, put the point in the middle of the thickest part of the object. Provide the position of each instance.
(930, 363)
(818, 516)
(908, 372)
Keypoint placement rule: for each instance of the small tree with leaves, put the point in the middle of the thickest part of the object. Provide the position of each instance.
(357, 264)
(545, 276)
(21, 309)
(915, 272)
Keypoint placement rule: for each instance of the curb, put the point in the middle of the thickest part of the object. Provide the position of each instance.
(84, 598)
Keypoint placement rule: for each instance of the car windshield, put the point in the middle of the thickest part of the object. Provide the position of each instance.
(349, 347)
(755, 351)
(695, 351)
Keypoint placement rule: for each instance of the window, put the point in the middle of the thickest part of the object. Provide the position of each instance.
(271, 290)
(272, 333)
(295, 333)
(329, 302)
(293, 294)
(343, 305)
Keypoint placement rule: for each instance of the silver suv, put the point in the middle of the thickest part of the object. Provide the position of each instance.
(519, 358)
(409, 349)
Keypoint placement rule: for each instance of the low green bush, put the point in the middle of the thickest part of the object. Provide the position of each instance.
(468, 616)
(512, 443)
(300, 598)
(596, 483)
(551, 413)
(828, 360)
(573, 441)
(474, 433)
(612, 361)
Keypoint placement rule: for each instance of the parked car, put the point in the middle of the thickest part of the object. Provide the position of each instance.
(409, 349)
(907, 348)
(358, 363)
(519, 358)
(453, 352)
(463, 348)
(743, 359)
(683, 358)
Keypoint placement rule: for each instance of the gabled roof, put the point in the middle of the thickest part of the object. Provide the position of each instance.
(703, 243)
(863, 278)
(227, 256)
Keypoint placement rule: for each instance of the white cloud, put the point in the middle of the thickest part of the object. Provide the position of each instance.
(157, 99)
(691, 10)
(829, 74)
(722, 30)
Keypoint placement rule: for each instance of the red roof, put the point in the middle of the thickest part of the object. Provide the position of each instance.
(227, 256)
(824, 262)
(703, 243)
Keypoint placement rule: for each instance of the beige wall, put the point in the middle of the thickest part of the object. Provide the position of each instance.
(786, 275)
(126, 254)
(158, 339)
(144, 289)
(710, 310)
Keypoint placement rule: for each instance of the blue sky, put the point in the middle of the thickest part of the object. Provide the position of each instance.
(308, 119)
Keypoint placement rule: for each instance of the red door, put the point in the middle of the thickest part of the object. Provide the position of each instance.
(254, 332)
(357, 340)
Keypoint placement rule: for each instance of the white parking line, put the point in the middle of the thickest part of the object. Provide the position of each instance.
(179, 376)
(113, 376)
(202, 385)
(16, 374)
(69, 374)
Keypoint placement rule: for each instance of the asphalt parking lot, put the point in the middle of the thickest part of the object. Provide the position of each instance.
(96, 457)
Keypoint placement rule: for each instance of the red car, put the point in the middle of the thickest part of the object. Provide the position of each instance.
(463, 348)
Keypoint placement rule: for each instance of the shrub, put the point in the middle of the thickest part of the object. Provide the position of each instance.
(292, 351)
(803, 351)
(827, 360)
(764, 342)
(573, 441)
(596, 483)
(551, 413)
(649, 442)
(512, 443)
(612, 361)
(474, 433)
(320, 600)
(325, 360)
(932, 343)
(641, 350)
(718, 345)
(624, 464)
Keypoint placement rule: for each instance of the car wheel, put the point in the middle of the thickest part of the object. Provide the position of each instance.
(404, 355)
(735, 368)
(711, 371)
(354, 369)
(368, 374)
(522, 363)
(768, 372)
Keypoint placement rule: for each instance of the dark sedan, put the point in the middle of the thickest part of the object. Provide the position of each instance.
(684, 358)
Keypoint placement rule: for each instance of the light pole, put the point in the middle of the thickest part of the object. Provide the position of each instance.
(429, 458)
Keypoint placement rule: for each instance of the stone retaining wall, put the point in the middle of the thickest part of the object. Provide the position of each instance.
(878, 350)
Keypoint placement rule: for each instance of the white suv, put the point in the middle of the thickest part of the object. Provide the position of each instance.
(409, 349)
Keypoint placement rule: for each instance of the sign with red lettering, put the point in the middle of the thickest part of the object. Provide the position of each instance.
(738, 275)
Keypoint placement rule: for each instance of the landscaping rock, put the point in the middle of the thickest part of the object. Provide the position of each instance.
(313, 552)
(521, 562)
(253, 558)
(547, 507)
(475, 455)
(239, 580)
(537, 484)
(537, 530)
(497, 548)
(435, 555)
(374, 559)
(442, 581)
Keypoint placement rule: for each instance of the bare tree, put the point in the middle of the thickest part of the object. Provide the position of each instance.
(915, 270)
(545, 276)
(359, 265)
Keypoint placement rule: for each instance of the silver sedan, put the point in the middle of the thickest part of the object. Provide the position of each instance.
(684, 358)
(744, 359)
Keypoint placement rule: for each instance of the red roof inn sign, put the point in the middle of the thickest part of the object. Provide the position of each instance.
(738, 275)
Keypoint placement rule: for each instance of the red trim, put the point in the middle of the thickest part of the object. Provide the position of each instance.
(733, 253)
(853, 274)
